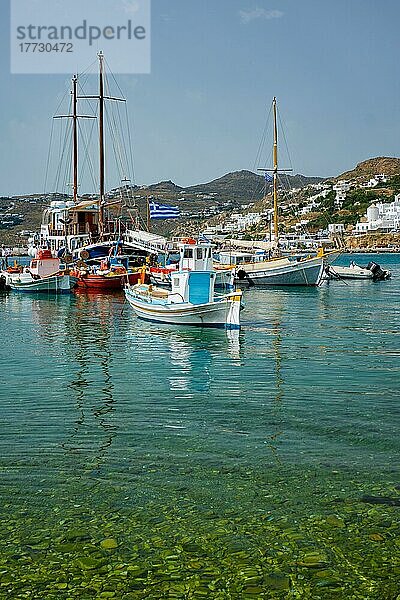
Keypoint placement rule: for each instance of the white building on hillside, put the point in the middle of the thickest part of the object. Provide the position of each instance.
(336, 228)
(381, 216)
(240, 222)
(375, 180)
(341, 188)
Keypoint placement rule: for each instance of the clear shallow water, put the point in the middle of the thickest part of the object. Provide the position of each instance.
(139, 461)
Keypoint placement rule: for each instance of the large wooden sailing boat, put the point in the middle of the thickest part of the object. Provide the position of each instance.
(70, 227)
(69, 224)
(281, 271)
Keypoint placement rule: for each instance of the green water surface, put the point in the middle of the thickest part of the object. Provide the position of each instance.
(144, 461)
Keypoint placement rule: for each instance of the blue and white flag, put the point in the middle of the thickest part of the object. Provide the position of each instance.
(202, 238)
(268, 178)
(163, 211)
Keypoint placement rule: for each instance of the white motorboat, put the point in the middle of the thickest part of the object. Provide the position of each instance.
(371, 271)
(191, 300)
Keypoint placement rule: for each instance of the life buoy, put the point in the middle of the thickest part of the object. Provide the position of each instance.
(188, 240)
(84, 254)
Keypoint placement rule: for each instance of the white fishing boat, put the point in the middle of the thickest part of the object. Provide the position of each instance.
(42, 275)
(255, 269)
(191, 300)
(371, 271)
(282, 272)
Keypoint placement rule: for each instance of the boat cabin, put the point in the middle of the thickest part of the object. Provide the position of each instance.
(195, 256)
(65, 221)
(44, 264)
(194, 280)
(234, 258)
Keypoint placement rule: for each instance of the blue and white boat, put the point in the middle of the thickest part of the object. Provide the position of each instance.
(192, 299)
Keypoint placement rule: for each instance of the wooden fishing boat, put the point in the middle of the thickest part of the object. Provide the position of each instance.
(191, 300)
(42, 276)
(279, 270)
(88, 226)
(110, 276)
(104, 282)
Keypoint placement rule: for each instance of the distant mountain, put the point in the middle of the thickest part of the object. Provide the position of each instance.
(373, 166)
(165, 187)
(246, 186)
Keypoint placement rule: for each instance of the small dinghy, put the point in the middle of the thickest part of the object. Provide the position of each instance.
(371, 271)
(191, 300)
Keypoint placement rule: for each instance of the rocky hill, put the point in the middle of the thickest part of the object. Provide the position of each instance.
(165, 187)
(372, 166)
(246, 186)
(219, 197)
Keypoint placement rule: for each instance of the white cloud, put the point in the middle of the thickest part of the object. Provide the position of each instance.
(246, 16)
(131, 7)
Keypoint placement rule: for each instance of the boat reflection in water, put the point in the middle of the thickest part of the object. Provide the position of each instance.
(90, 334)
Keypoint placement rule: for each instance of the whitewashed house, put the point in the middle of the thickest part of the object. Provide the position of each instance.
(381, 216)
(341, 188)
(336, 228)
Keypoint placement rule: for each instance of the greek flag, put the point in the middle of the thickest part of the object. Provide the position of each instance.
(163, 211)
(268, 178)
(202, 238)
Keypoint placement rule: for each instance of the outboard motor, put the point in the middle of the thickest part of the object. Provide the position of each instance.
(378, 273)
(3, 284)
(243, 276)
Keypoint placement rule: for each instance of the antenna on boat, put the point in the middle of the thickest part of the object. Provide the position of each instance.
(101, 97)
(275, 172)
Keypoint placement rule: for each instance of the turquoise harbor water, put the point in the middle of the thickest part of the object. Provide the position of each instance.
(143, 461)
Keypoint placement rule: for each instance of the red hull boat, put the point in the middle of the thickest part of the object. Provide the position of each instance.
(93, 282)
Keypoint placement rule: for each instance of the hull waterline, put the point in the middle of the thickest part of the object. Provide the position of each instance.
(213, 314)
(305, 273)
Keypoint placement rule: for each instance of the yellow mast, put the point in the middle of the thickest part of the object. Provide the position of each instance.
(275, 172)
(275, 176)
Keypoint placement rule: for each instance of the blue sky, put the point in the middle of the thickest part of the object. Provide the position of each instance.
(216, 64)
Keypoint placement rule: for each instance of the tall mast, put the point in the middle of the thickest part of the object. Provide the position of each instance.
(101, 98)
(101, 142)
(275, 174)
(75, 136)
(74, 116)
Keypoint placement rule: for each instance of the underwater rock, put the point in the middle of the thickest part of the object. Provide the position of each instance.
(335, 521)
(376, 537)
(389, 501)
(109, 544)
(87, 563)
(277, 581)
(77, 535)
(313, 560)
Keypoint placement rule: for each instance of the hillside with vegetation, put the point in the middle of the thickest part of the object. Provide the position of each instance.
(212, 203)
(368, 168)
